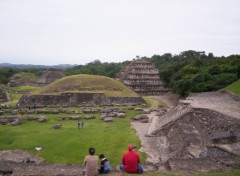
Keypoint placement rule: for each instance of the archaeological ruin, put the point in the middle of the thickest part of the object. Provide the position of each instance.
(142, 76)
(49, 76)
(76, 99)
(3, 95)
(205, 138)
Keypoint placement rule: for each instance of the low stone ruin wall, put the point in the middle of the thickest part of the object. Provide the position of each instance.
(76, 99)
(3, 96)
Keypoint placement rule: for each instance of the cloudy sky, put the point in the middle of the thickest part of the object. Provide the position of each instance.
(53, 32)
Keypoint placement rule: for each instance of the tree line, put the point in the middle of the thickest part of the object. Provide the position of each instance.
(189, 71)
(192, 71)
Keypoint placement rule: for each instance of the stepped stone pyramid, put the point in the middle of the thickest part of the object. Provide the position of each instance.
(49, 76)
(142, 76)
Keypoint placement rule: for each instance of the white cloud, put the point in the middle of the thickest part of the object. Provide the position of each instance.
(78, 31)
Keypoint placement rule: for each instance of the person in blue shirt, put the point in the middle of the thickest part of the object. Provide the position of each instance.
(105, 165)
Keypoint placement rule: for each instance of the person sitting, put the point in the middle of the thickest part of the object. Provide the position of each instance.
(131, 161)
(91, 163)
(105, 165)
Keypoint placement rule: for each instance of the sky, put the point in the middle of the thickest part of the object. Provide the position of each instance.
(51, 32)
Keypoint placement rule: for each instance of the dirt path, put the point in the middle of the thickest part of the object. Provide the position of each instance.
(156, 148)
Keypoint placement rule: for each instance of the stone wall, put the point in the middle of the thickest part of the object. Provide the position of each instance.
(75, 99)
(3, 95)
(193, 135)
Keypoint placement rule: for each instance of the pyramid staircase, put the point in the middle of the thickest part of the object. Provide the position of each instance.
(159, 123)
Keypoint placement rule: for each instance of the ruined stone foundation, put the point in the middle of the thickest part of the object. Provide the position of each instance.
(75, 99)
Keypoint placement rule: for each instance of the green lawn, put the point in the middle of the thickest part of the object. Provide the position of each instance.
(70, 144)
(153, 102)
(25, 88)
(234, 87)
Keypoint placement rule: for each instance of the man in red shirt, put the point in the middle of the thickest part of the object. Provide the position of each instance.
(131, 161)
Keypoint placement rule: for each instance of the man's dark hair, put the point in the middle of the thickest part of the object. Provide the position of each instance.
(101, 156)
(91, 150)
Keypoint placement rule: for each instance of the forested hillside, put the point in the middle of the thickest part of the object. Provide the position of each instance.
(190, 71)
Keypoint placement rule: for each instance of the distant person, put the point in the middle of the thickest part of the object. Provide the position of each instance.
(82, 124)
(131, 161)
(79, 123)
(105, 165)
(91, 163)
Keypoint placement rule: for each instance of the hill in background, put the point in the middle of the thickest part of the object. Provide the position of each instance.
(25, 66)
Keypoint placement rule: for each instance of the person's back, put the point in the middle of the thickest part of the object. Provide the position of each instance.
(131, 161)
(105, 165)
(91, 163)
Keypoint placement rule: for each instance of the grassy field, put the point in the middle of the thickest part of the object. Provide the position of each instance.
(70, 144)
(24, 88)
(234, 87)
(154, 102)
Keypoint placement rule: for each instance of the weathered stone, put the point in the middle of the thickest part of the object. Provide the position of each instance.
(5, 120)
(16, 122)
(57, 126)
(121, 115)
(14, 112)
(61, 118)
(5, 170)
(144, 120)
(3, 95)
(89, 117)
(22, 111)
(54, 111)
(69, 112)
(139, 109)
(1, 112)
(147, 111)
(76, 99)
(74, 117)
(108, 119)
(136, 117)
(31, 112)
(121, 110)
(87, 110)
(131, 108)
(31, 118)
(42, 119)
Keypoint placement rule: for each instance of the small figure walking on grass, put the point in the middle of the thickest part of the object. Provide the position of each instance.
(79, 124)
(82, 124)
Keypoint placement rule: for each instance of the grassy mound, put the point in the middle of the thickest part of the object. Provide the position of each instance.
(234, 87)
(87, 83)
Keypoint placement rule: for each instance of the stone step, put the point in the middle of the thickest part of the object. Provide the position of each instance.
(159, 122)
